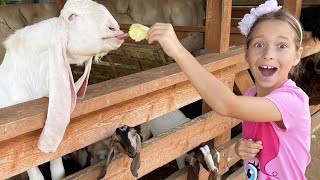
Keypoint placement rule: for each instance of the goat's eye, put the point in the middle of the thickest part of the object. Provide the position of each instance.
(72, 17)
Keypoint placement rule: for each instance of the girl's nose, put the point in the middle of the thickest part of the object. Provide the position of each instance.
(268, 54)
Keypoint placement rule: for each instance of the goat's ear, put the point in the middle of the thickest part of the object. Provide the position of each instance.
(62, 97)
(193, 169)
(138, 141)
(135, 165)
(110, 155)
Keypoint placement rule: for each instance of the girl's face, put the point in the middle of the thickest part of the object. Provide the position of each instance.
(271, 54)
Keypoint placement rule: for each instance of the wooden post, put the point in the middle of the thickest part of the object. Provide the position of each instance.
(217, 34)
(218, 20)
(293, 6)
(60, 4)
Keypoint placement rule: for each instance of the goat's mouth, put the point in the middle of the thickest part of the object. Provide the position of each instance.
(122, 36)
(118, 37)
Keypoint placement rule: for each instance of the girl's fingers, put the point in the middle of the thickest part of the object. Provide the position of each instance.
(154, 37)
(246, 155)
(254, 145)
(157, 27)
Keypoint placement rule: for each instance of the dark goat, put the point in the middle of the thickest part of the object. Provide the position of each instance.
(310, 20)
(127, 141)
(209, 158)
(307, 77)
(307, 73)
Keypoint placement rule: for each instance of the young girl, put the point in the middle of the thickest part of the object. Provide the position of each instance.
(275, 112)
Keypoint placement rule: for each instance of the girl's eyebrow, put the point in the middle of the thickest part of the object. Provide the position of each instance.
(284, 37)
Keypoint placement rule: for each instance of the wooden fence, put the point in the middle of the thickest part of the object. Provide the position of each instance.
(138, 98)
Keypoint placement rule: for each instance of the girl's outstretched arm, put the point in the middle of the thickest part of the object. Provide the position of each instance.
(218, 96)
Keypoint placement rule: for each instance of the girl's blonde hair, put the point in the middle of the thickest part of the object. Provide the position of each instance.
(283, 16)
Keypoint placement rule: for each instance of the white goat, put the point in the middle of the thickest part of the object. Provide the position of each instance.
(167, 122)
(36, 64)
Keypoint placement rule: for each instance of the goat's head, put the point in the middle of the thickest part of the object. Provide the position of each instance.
(127, 141)
(91, 30)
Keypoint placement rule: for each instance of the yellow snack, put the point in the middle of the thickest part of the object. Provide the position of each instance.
(138, 32)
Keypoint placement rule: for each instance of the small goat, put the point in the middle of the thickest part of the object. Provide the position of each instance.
(127, 141)
(209, 159)
(36, 64)
(307, 74)
(166, 122)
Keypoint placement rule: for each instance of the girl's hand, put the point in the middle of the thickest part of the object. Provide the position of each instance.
(166, 36)
(248, 149)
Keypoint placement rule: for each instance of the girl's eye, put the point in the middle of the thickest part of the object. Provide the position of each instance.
(258, 45)
(282, 46)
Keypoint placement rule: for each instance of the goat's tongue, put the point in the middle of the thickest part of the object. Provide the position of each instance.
(122, 36)
(267, 72)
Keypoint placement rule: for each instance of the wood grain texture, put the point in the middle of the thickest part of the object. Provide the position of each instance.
(293, 6)
(166, 147)
(102, 95)
(89, 128)
(218, 18)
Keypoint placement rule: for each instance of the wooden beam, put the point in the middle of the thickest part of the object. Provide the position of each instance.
(168, 146)
(237, 175)
(97, 125)
(315, 121)
(310, 46)
(228, 155)
(243, 81)
(293, 6)
(23, 118)
(182, 174)
(226, 149)
(314, 109)
(60, 4)
(218, 18)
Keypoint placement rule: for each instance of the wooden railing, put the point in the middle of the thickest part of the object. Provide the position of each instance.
(133, 100)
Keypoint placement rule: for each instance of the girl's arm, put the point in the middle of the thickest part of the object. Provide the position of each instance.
(218, 96)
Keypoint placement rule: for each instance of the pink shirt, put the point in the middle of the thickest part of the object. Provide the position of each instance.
(286, 152)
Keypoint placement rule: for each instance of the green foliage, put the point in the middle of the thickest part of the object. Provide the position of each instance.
(3, 2)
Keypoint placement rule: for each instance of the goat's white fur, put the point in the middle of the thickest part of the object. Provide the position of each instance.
(208, 157)
(166, 122)
(83, 29)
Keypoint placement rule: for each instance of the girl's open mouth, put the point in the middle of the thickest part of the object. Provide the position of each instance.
(267, 71)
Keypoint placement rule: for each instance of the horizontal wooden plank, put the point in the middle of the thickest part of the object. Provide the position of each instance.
(310, 46)
(97, 125)
(13, 119)
(243, 81)
(258, 2)
(182, 174)
(314, 109)
(228, 150)
(315, 121)
(237, 175)
(165, 147)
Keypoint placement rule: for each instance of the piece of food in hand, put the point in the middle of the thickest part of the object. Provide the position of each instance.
(138, 32)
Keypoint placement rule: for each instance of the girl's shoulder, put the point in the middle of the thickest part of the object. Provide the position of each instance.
(291, 88)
